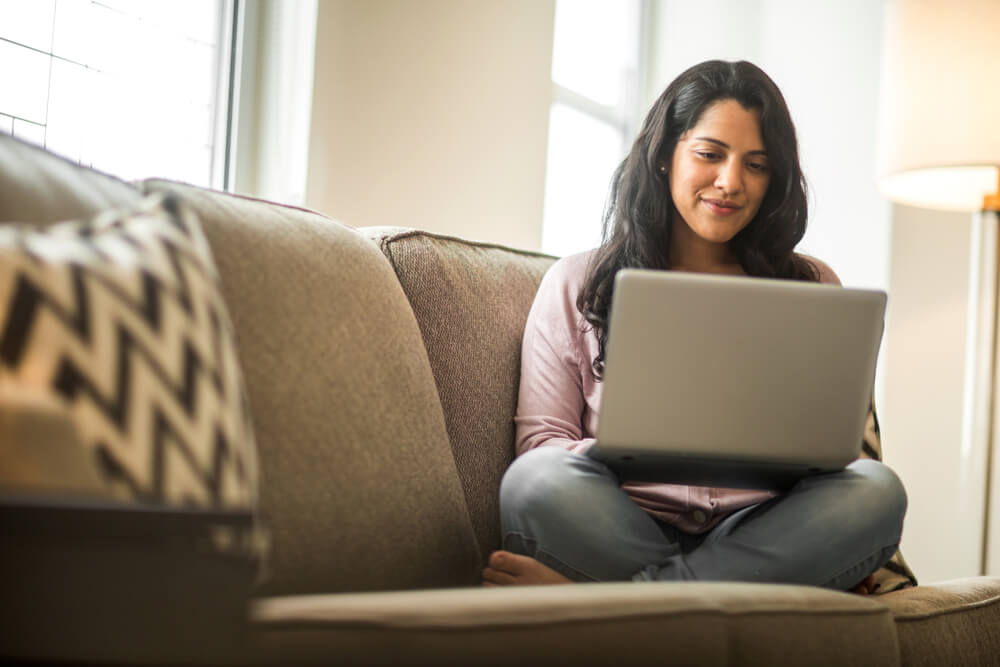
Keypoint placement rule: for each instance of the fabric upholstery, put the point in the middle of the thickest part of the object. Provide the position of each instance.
(120, 321)
(949, 623)
(39, 187)
(471, 301)
(588, 624)
(896, 574)
(358, 484)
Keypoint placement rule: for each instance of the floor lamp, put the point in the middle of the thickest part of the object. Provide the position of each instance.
(939, 147)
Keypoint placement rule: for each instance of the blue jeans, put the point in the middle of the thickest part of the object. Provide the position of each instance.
(570, 513)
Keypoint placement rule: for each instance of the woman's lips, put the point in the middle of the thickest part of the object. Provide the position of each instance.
(722, 206)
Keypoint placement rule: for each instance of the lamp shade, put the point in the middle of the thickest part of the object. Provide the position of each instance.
(939, 117)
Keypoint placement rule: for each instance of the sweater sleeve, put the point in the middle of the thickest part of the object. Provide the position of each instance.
(551, 402)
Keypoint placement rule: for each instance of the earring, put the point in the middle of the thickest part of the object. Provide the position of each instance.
(663, 168)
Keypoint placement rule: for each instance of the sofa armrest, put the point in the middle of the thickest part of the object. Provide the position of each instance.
(101, 581)
(949, 622)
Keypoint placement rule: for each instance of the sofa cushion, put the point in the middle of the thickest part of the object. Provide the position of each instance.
(38, 187)
(358, 484)
(589, 624)
(117, 325)
(948, 623)
(471, 301)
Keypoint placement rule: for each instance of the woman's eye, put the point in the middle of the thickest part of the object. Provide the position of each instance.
(758, 166)
(707, 155)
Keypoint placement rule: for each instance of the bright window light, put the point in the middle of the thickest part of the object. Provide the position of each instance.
(131, 87)
(594, 48)
(583, 153)
(595, 81)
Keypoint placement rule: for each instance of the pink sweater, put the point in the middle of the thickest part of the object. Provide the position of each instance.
(559, 399)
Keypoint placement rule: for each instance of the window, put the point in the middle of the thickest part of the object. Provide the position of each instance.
(135, 88)
(595, 78)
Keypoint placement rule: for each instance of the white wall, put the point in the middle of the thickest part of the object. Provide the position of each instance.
(433, 114)
(922, 412)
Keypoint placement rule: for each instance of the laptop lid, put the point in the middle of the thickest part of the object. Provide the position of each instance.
(743, 382)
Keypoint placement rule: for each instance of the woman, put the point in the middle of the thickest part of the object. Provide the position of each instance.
(712, 184)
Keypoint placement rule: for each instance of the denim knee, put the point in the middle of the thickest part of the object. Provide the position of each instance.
(547, 484)
(532, 481)
(881, 496)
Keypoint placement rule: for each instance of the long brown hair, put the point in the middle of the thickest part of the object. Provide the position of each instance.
(637, 230)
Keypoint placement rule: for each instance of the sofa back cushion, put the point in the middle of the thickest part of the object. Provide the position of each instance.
(471, 301)
(38, 187)
(357, 481)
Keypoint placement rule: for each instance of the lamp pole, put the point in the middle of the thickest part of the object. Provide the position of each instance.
(981, 407)
(982, 419)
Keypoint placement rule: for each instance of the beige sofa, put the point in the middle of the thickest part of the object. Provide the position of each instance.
(382, 368)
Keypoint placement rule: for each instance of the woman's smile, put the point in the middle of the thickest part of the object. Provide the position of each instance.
(721, 206)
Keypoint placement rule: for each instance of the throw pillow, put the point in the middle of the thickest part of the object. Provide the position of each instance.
(118, 323)
(895, 574)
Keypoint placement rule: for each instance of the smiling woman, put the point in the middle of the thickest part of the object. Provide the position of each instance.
(728, 131)
(712, 184)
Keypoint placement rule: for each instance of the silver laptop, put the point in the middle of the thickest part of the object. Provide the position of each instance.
(735, 382)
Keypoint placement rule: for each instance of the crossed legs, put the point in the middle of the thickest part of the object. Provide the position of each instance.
(565, 518)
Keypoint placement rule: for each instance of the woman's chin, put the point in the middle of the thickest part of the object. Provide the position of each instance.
(718, 235)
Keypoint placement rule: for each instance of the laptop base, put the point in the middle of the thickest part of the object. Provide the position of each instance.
(644, 467)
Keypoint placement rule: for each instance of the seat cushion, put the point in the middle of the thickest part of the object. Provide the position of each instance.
(948, 623)
(586, 624)
(358, 484)
(471, 301)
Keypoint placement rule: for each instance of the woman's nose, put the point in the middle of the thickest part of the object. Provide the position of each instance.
(730, 177)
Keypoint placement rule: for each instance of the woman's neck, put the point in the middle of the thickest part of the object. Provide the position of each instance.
(690, 252)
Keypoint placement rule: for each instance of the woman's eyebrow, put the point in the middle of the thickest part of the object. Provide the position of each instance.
(723, 144)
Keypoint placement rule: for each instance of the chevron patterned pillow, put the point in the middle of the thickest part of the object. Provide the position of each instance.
(119, 323)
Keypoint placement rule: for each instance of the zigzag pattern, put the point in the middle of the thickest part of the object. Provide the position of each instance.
(123, 319)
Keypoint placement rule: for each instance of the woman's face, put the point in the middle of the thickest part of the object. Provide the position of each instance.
(719, 174)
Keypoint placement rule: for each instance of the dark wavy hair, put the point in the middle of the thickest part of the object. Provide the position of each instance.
(637, 218)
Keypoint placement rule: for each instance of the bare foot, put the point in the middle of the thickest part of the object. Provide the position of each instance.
(866, 587)
(507, 569)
